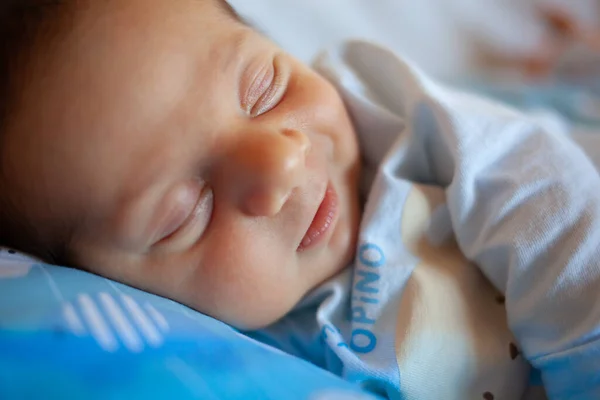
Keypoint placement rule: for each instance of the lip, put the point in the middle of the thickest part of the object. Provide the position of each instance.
(323, 221)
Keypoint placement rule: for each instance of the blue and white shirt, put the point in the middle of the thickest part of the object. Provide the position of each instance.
(479, 221)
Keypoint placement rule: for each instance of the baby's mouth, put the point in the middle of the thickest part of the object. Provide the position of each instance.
(323, 221)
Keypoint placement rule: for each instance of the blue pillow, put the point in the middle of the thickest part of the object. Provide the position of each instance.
(69, 334)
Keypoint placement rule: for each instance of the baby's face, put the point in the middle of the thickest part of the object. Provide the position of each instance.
(184, 154)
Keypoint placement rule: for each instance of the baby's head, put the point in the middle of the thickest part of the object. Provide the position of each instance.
(167, 145)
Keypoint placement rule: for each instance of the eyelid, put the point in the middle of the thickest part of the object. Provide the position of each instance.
(191, 223)
(182, 203)
(267, 89)
(260, 84)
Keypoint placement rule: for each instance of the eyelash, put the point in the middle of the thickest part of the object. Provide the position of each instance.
(200, 210)
(271, 96)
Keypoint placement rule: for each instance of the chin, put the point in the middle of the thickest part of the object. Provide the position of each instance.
(258, 312)
(255, 320)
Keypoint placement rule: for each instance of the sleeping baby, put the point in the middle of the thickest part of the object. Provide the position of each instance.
(169, 146)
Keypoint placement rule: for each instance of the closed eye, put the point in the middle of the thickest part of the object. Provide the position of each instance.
(187, 225)
(267, 90)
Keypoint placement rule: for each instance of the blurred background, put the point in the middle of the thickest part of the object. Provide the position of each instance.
(529, 52)
(445, 37)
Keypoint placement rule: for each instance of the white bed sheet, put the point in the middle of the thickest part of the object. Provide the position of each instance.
(436, 34)
(416, 28)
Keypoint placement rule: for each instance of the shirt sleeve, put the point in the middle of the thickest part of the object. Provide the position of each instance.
(524, 202)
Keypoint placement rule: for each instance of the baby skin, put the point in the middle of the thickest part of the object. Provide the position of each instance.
(179, 151)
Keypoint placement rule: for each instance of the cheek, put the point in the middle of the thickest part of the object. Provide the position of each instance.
(244, 278)
(342, 129)
(322, 109)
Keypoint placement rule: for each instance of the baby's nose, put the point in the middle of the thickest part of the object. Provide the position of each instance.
(267, 167)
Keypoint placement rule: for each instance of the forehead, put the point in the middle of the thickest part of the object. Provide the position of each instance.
(169, 18)
(119, 75)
